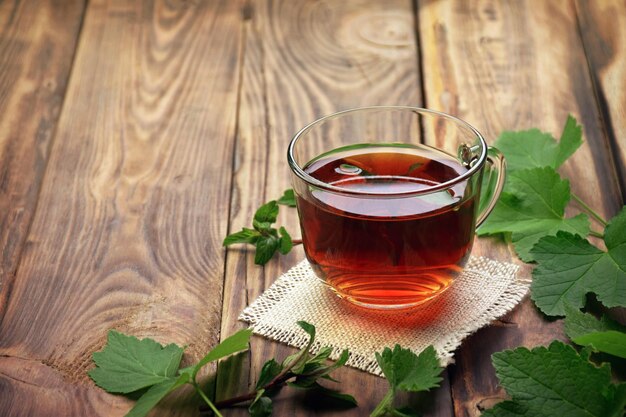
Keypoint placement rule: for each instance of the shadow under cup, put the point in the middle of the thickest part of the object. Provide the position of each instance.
(389, 199)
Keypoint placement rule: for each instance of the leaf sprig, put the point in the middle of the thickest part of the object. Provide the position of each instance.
(603, 335)
(267, 239)
(406, 371)
(127, 365)
(533, 202)
(531, 212)
(300, 370)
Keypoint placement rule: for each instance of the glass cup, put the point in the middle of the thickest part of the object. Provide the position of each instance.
(389, 200)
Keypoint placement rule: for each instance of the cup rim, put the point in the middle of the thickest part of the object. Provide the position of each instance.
(295, 167)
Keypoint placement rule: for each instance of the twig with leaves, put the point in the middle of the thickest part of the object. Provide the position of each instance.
(127, 365)
(267, 239)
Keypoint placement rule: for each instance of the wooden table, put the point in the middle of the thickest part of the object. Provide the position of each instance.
(134, 135)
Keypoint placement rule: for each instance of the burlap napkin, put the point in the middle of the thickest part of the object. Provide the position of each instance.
(486, 290)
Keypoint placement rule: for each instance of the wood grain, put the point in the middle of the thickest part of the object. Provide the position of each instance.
(603, 31)
(131, 215)
(304, 60)
(37, 42)
(509, 66)
(31, 388)
(118, 182)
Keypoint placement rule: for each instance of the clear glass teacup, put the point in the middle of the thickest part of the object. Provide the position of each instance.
(388, 200)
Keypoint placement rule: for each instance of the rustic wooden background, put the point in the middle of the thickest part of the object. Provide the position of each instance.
(134, 135)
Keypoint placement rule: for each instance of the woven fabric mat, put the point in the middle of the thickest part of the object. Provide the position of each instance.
(486, 290)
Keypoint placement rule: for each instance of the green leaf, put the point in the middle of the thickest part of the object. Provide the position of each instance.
(329, 378)
(339, 397)
(187, 372)
(553, 381)
(527, 148)
(270, 370)
(298, 360)
(127, 364)
(264, 236)
(244, 236)
(534, 198)
(410, 372)
(288, 198)
(323, 354)
(533, 207)
(524, 241)
(261, 406)
(407, 371)
(569, 267)
(267, 213)
(309, 329)
(264, 217)
(532, 193)
(341, 361)
(262, 227)
(578, 323)
(314, 369)
(571, 139)
(602, 335)
(266, 247)
(232, 344)
(617, 395)
(610, 341)
(533, 148)
(615, 235)
(285, 241)
(156, 393)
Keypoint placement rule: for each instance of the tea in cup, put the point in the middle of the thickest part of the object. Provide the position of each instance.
(388, 201)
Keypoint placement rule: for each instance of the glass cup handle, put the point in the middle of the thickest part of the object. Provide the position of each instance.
(498, 163)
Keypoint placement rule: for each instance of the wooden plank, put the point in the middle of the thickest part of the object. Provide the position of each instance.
(37, 42)
(509, 66)
(133, 207)
(603, 31)
(31, 388)
(304, 60)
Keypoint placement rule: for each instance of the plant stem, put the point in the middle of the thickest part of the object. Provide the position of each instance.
(383, 405)
(589, 210)
(296, 241)
(206, 400)
(277, 382)
(229, 402)
(596, 234)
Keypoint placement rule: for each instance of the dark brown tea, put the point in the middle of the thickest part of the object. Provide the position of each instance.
(381, 250)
